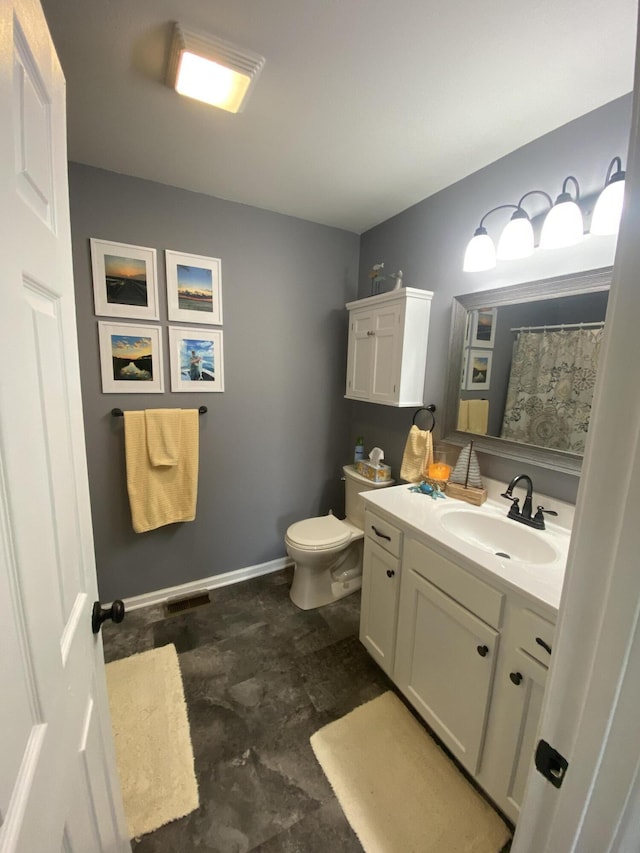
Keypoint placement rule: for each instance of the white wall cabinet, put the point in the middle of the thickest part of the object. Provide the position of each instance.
(380, 591)
(471, 656)
(387, 351)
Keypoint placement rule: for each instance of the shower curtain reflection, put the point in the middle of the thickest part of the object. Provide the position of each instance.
(551, 384)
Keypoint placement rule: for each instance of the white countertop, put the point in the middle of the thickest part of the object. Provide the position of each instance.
(421, 514)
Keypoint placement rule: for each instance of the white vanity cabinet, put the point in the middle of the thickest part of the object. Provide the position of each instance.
(468, 651)
(387, 351)
(447, 648)
(380, 589)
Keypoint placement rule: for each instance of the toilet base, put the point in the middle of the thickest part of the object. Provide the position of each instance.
(317, 586)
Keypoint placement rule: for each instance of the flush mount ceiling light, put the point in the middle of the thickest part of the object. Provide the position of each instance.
(211, 69)
(608, 209)
(563, 225)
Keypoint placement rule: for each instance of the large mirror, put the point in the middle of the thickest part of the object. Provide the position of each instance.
(522, 365)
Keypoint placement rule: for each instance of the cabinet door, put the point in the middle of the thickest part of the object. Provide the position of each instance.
(526, 684)
(379, 607)
(360, 354)
(385, 369)
(445, 661)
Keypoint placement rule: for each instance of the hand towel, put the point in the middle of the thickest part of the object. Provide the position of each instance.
(463, 416)
(478, 416)
(165, 494)
(163, 435)
(418, 455)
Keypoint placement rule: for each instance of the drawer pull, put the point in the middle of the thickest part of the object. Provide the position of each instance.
(516, 677)
(483, 651)
(390, 573)
(544, 645)
(381, 535)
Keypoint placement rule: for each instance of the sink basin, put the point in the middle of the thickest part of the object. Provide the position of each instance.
(502, 536)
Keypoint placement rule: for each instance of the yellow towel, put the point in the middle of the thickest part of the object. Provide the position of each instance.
(463, 416)
(418, 455)
(166, 494)
(478, 416)
(163, 435)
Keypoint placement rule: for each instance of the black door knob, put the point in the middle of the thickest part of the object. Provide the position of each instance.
(483, 651)
(101, 614)
(390, 573)
(516, 677)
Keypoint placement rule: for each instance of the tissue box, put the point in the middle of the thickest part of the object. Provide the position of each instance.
(376, 473)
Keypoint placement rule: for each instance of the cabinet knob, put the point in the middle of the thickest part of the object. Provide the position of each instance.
(369, 334)
(516, 677)
(483, 651)
(390, 573)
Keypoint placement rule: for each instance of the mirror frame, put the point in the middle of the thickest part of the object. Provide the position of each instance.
(531, 291)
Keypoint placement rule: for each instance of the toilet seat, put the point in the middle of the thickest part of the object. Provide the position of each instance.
(319, 534)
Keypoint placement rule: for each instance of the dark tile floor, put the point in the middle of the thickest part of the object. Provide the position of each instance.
(260, 677)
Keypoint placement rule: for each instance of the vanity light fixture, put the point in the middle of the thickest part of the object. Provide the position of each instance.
(516, 240)
(211, 69)
(608, 209)
(563, 224)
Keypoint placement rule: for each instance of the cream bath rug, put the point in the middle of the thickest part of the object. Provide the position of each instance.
(153, 742)
(397, 788)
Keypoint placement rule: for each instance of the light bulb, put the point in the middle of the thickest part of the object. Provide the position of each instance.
(608, 209)
(563, 225)
(481, 253)
(516, 240)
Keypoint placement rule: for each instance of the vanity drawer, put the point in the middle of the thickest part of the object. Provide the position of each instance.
(383, 533)
(534, 635)
(472, 593)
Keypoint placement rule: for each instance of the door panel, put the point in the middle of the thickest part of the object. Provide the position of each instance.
(58, 783)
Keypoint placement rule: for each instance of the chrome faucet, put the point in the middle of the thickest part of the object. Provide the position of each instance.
(524, 515)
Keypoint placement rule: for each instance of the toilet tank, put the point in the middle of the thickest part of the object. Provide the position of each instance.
(355, 483)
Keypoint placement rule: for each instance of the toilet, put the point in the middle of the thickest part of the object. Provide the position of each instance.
(327, 551)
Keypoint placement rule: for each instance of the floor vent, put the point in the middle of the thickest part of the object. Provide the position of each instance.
(178, 605)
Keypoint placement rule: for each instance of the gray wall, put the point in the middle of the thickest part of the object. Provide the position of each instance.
(428, 240)
(272, 443)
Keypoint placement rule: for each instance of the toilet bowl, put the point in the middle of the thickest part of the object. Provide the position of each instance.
(327, 551)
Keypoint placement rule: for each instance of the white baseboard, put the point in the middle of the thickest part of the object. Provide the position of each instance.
(161, 595)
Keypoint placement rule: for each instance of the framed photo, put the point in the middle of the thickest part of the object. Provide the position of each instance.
(130, 358)
(194, 288)
(479, 370)
(197, 359)
(463, 371)
(483, 327)
(125, 280)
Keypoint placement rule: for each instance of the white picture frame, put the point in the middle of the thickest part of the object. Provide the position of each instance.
(483, 327)
(131, 358)
(196, 358)
(125, 280)
(194, 288)
(479, 369)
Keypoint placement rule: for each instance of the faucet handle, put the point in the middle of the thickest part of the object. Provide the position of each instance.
(539, 516)
(515, 504)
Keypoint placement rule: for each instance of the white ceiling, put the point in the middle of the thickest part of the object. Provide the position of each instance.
(364, 107)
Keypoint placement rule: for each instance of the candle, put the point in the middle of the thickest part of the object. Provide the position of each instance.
(439, 471)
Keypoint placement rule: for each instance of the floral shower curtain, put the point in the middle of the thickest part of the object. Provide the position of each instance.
(551, 388)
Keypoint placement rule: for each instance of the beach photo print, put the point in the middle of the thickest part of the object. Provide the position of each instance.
(125, 282)
(130, 358)
(194, 288)
(197, 361)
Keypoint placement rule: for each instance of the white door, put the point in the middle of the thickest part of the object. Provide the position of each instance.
(58, 788)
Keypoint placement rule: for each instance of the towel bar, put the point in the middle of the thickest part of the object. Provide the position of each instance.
(118, 413)
(431, 409)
